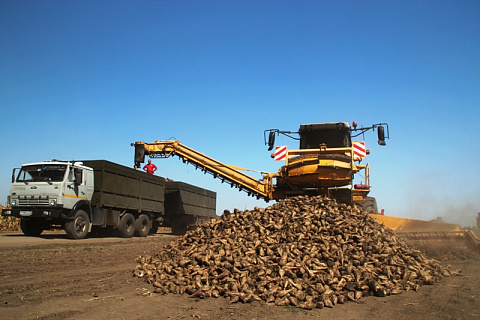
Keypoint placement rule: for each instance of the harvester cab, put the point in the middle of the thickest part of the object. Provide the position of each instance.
(328, 134)
(326, 162)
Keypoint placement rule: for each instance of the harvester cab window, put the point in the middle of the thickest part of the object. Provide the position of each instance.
(331, 138)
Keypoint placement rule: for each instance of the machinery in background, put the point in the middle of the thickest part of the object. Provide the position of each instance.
(326, 163)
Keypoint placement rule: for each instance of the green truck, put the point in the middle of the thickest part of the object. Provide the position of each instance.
(79, 196)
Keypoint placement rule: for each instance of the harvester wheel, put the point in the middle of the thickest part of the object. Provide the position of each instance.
(369, 205)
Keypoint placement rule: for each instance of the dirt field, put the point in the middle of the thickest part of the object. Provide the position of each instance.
(53, 277)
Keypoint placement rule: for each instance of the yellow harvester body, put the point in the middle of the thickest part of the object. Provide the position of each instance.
(325, 163)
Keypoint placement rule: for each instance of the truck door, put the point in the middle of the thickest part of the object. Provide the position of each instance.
(88, 180)
(75, 187)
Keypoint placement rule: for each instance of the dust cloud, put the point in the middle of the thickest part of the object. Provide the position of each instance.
(438, 207)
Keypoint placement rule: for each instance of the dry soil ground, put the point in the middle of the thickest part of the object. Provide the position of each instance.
(52, 277)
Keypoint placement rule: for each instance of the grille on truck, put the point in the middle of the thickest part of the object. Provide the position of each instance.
(33, 201)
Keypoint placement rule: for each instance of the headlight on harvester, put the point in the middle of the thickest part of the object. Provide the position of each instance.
(14, 202)
(53, 202)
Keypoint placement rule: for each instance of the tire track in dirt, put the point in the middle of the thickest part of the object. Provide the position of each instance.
(92, 280)
(38, 273)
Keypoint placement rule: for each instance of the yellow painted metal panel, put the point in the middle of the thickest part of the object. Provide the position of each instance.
(412, 225)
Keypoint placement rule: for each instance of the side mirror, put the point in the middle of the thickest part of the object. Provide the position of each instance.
(381, 136)
(271, 140)
(78, 177)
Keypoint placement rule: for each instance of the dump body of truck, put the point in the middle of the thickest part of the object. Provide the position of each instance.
(77, 196)
(120, 187)
(187, 205)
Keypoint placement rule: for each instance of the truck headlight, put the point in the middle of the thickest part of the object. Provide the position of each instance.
(53, 202)
(14, 202)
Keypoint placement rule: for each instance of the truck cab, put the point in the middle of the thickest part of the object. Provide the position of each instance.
(46, 193)
(47, 188)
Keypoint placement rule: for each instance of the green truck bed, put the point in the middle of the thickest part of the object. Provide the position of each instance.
(184, 199)
(120, 187)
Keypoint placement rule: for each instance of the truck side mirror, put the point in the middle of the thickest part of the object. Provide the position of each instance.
(78, 176)
(381, 136)
(271, 140)
(14, 175)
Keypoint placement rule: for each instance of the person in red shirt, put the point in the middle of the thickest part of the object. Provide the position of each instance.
(150, 167)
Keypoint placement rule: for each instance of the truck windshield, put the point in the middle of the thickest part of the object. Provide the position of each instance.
(42, 172)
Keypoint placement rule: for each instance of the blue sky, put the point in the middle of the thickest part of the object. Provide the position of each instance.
(84, 79)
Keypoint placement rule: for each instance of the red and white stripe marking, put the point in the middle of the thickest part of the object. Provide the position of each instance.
(280, 153)
(359, 149)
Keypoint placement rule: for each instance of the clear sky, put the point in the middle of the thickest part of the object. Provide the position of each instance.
(84, 79)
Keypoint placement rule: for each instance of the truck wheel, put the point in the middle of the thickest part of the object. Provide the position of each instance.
(78, 227)
(142, 226)
(30, 228)
(126, 227)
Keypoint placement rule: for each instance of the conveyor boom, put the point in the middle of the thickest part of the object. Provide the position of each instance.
(228, 173)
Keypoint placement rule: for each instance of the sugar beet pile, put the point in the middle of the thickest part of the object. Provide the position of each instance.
(304, 251)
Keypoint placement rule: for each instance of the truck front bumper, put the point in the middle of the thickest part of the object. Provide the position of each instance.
(26, 212)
